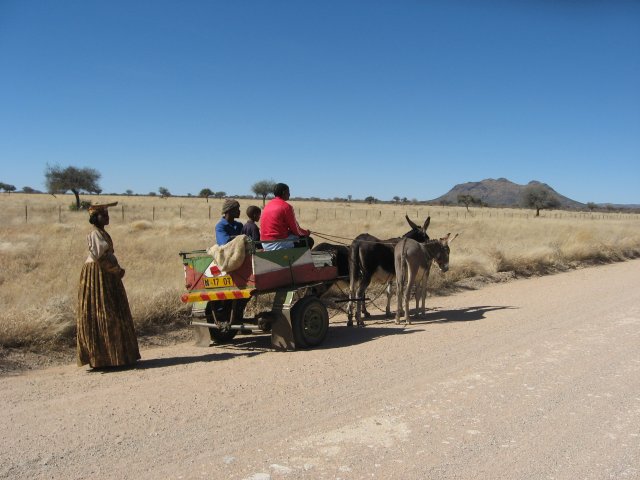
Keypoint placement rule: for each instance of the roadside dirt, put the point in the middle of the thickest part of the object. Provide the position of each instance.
(535, 378)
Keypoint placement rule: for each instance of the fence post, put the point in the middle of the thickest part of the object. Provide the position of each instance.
(26, 214)
(209, 212)
(59, 213)
(153, 213)
(180, 211)
(123, 212)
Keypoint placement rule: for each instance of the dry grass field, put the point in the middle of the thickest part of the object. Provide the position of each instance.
(42, 248)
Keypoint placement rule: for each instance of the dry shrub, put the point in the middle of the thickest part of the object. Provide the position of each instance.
(159, 311)
(467, 266)
(40, 261)
(50, 324)
(140, 225)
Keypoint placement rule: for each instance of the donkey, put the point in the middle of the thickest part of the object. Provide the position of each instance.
(369, 255)
(341, 254)
(413, 263)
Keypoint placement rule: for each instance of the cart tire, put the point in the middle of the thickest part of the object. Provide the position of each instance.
(310, 321)
(219, 336)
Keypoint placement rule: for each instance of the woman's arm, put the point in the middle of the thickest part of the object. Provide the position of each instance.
(100, 251)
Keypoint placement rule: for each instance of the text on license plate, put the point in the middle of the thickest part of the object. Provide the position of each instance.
(218, 282)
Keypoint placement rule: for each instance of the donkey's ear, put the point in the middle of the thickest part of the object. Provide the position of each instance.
(413, 225)
(454, 237)
(445, 240)
(426, 224)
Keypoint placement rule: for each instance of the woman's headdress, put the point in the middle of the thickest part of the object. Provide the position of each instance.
(98, 207)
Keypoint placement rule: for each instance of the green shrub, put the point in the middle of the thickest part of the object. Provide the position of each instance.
(84, 205)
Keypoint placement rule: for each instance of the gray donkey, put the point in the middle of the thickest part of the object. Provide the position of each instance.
(413, 264)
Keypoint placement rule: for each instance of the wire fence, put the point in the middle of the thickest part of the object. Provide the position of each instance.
(126, 213)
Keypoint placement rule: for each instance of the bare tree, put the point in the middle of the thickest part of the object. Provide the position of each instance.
(61, 180)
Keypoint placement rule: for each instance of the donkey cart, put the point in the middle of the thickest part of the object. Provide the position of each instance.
(220, 282)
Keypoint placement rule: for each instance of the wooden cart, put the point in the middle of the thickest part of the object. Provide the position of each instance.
(294, 279)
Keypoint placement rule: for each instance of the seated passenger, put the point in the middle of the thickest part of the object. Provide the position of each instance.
(227, 228)
(250, 228)
(278, 222)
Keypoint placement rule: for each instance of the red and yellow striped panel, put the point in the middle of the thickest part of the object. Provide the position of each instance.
(213, 296)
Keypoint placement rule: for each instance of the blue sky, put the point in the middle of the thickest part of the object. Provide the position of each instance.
(335, 98)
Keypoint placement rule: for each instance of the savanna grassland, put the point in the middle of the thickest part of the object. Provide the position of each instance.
(43, 247)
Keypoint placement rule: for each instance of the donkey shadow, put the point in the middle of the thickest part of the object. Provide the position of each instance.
(469, 314)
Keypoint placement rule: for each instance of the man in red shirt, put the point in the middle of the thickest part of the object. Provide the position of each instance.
(278, 222)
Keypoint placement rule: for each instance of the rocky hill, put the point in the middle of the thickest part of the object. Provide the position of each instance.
(499, 193)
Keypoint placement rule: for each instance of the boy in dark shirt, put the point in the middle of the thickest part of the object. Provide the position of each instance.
(250, 228)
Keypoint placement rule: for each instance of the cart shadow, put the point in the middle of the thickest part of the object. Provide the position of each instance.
(216, 356)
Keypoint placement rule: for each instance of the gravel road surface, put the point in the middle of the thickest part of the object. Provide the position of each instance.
(530, 379)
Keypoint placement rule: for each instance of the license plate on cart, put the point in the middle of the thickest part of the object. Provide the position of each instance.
(218, 282)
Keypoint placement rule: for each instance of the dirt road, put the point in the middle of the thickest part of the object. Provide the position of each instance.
(532, 379)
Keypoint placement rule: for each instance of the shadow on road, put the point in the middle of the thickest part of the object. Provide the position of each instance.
(210, 356)
(380, 325)
(470, 314)
(340, 336)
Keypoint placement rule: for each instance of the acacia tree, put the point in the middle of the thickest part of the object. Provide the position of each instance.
(164, 192)
(539, 197)
(206, 193)
(467, 200)
(61, 180)
(7, 187)
(263, 188)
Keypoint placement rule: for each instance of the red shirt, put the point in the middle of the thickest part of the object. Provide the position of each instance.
(278, 221)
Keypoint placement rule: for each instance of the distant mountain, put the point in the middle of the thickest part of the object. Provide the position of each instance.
(499, 193)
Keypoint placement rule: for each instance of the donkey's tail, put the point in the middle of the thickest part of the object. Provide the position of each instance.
(402, 274)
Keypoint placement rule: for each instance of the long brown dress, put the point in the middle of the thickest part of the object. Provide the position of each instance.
(106, 336)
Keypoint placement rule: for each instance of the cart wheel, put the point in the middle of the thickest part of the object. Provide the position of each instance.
(310, 321)
(220, 336)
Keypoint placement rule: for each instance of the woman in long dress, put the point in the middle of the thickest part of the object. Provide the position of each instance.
(106, 336)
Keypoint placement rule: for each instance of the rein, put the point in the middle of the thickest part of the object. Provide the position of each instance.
(329, 237)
